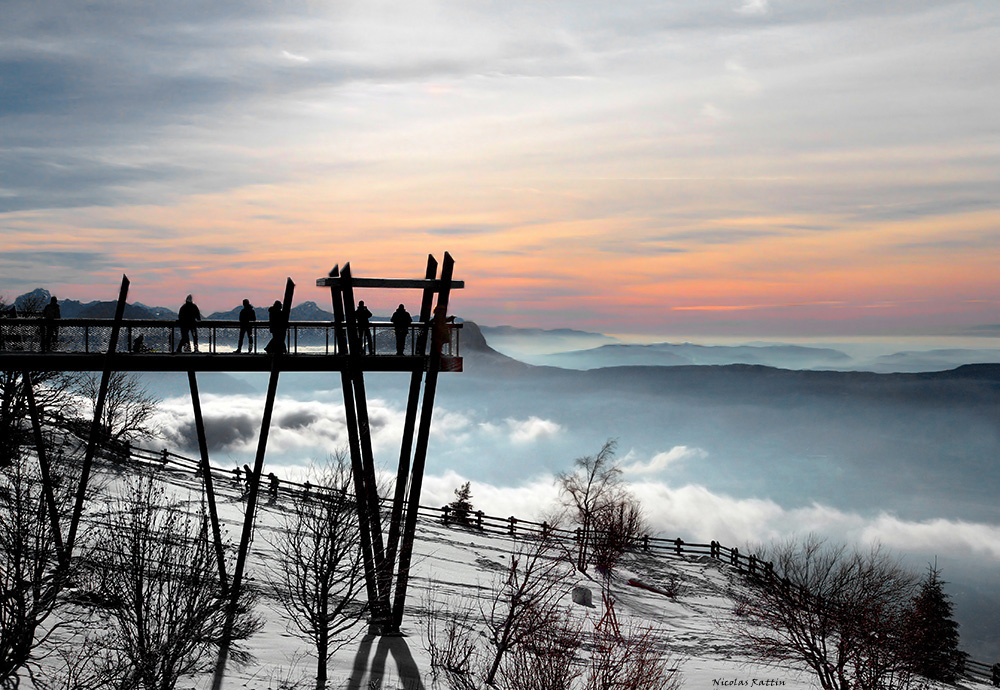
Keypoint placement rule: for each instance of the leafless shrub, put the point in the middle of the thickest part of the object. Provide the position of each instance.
(630, 659)
(524, 605)
(837, 611)
(451, 645)
(30, 575)
(547, 662)
(618, 524)
(165, 612)
(320, 578)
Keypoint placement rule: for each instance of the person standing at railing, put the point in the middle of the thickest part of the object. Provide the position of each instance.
(277, 327)
(363, 315)
(401, 321)
(187, 317)
(247, 317)
(441, 330)
(50, 331)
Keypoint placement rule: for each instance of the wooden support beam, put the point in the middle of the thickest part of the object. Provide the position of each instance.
(249, 516)
(409, 422)
(95, 426)
(423, 436)
(360, 432)
(206, 470)
(43, 464)
(397, 283)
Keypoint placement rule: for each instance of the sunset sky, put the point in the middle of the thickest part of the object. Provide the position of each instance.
(741, 167)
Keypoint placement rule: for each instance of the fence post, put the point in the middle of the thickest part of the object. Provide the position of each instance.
(513, 521)
(734, 556)
(545, 530)
(678, 543)
(645, 542)
(444, 514)
(479, 519)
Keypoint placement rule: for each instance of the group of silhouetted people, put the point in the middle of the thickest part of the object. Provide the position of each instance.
(189, 314)
(401, 322)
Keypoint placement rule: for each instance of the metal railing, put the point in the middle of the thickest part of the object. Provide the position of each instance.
(146, 336)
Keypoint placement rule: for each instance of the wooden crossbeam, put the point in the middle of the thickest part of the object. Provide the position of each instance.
(434, 285)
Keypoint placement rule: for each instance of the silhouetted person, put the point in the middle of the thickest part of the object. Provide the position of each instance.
(50, 331)
(401, 321)
(277, 326)
(188, 316)
(138, 344)
(441, 331)
(272, 485)
(247, 317)
(363, 315)
(249, 475)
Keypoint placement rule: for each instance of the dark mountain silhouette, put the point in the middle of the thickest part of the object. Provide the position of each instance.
(106, 310)
(670, 354)
(307, 311)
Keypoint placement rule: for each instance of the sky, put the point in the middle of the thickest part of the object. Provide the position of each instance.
(728, 167)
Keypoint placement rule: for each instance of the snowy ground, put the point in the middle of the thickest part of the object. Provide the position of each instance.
(456, 567)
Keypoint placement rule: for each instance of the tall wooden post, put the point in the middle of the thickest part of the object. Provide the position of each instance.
(95, 427)
(412, 402)
(368, 520)
(423, 436)
(43, 465)
(206, 470)
(254, 481)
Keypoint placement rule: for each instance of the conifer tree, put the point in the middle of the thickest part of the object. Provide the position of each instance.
(462, 507)
(933, 632)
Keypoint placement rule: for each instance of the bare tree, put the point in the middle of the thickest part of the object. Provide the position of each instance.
(837, 611)
(524, 605)
(128, 405)
(164, 607)
(30, 573)
(321, 580)
(53, 396)
(609, 517)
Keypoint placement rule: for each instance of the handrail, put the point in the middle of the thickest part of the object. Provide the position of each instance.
(161, 336)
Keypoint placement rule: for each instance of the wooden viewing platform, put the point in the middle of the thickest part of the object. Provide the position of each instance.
(431, 346)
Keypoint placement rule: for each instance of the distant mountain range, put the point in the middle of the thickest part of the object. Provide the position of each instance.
(33, 301)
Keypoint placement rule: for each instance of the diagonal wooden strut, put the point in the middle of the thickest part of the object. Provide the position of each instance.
(95, 426)
(370, 529)
(206, 470)
(43, 464)
(254, 490)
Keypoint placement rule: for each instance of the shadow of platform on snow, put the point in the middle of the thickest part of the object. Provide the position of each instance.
(372, 673)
